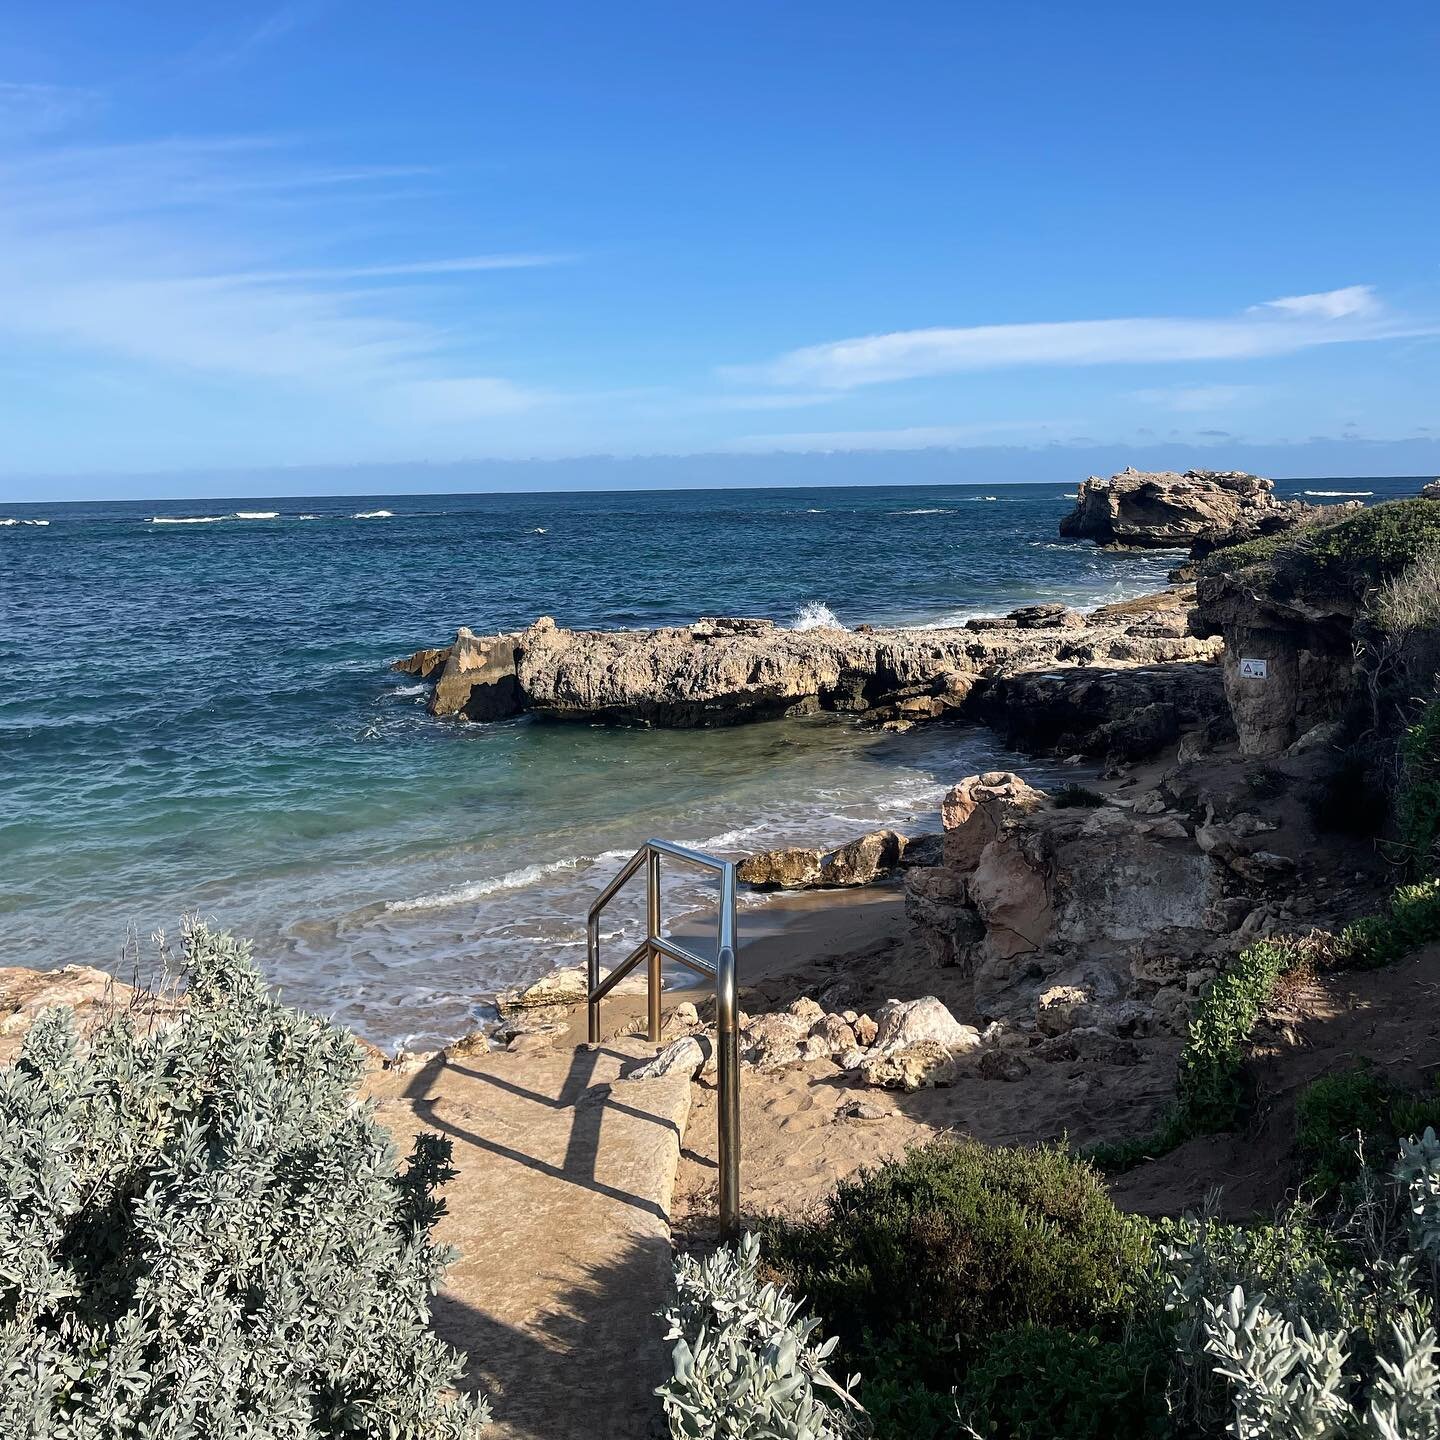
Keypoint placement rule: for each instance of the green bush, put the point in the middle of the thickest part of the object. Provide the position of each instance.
(1417, 806)
(1329, 1116)
(967, 1238)
(917, 1265)
(1210, 1086)
(1359, 551)
(1409, 920)
(203, 1234)
(1033, 1383)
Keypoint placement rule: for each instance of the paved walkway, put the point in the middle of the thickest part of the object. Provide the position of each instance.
(561, 1216)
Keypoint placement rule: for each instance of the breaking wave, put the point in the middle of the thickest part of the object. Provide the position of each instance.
(479, 889)
(187, 519)
(257, 514)
(815, 615)
(372, 514)
(1357, 494)
(24, 522)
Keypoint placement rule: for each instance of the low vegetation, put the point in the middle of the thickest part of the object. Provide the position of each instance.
(1360, 551)
(1066, 1318)
(746, 1359)
(203, 1234)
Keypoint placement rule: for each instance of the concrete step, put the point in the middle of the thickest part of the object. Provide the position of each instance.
(561, 1215)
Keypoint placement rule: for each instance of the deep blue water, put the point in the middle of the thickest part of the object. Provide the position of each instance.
(200, 717)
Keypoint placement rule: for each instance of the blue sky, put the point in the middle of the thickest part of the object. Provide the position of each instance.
(328, 234)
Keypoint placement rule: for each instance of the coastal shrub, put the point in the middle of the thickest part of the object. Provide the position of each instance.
(1417, 806)
(1410, 601)
(1210, 1087)
(1248, 552)
(968, 1238)
(747, 1361)
(1294, 1330)
(1077, 797)
(1360, 551)
(202, 1232)
(1038, 1383)
(1331, 1116)
(1411, 918)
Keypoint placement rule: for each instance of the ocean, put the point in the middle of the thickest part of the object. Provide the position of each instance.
(199, 717)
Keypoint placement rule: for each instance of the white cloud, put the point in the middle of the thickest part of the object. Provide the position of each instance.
(165, 255)
(1276, 328)
(1197, 399)
(474, 397)
(912, 437)
(1328, 304)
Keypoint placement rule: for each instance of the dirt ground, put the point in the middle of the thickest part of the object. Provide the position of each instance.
(1389, 1017)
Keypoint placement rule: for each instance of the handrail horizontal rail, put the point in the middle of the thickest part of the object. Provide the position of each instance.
(654, 948)
(681, 956)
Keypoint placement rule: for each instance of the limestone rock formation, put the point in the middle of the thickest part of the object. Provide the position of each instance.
(725, 672)
(1050, 910)
(1203, 509)
(872, 857)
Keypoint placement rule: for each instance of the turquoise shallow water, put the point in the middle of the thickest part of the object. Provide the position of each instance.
(198, 715)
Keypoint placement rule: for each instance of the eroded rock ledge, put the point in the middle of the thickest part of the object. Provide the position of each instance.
(1205, 510)
(722, 671)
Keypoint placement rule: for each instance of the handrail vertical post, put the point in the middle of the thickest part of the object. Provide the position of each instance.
(652, 905)
(727, 1046)
(592, 975)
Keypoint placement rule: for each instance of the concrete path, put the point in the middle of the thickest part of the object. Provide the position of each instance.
(561, 1216)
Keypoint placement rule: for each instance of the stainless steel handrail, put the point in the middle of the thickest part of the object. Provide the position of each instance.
(654, 949)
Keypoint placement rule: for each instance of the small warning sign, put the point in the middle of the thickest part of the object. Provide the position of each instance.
(1254, 669)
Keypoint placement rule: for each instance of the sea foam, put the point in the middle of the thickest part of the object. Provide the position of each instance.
(187, 519)
(815, 615)
(1358, 494)
(24, 522)
(257, 514)
(479, 889)
(372, 514)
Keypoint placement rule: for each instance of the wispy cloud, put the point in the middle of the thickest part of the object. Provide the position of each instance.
(1277, 327)
(29, 109)
(229, 46)
(165, 254)
(910, 437)
(1197, 399)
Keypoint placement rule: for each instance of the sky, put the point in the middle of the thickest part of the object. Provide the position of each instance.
(243, 244)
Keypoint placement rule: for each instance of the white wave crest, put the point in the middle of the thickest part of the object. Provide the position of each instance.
(187, 519)
(408, 690)
(1356, 493)
(372, 514)
(24, 522)
(479, 889)
(539, 530)
(307, 517)
(816, 615)
(257, 514)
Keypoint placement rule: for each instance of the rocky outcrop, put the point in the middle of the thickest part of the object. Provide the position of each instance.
(478, 679)
(1291, 618)
(1064, 917)
(1116, 714)
(725, 672)
(1199, 509)
(872, 857)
